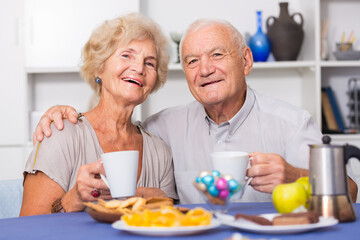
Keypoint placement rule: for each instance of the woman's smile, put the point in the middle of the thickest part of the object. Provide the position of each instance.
(133, 81)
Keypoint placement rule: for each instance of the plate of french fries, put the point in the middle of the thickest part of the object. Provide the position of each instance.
(112, 210)
(167, 221)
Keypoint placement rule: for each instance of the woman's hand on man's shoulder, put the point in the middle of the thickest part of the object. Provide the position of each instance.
(54, 114)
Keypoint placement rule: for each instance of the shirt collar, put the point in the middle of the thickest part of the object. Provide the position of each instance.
(239, 117)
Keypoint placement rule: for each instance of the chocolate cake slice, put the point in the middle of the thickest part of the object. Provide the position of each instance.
(296, 218)
(256, 219)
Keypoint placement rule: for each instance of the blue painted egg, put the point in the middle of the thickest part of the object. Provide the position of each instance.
(216, 173)
(208, 180)
(198, 179)
(233, 185)
(213, 191)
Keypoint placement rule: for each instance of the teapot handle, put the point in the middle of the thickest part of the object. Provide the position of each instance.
(350, 152)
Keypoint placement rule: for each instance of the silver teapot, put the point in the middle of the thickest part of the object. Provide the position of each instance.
(328, 179)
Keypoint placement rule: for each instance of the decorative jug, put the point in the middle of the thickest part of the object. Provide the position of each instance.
(285, 34)
(328, 180)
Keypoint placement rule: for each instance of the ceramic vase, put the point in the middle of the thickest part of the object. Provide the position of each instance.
(259, 43)
(285, 34)
(176, 37)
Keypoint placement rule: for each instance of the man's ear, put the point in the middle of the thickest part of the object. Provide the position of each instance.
(248, 60)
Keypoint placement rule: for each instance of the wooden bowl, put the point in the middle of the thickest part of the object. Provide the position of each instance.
(103, 217)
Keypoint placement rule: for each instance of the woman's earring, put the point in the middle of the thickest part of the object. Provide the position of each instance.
(98, 80)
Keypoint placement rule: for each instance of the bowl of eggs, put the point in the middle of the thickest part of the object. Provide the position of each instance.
(218, 189)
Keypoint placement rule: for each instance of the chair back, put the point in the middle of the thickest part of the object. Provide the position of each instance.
(11, 192)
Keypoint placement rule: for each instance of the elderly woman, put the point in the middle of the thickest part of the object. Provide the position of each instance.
(124, 61)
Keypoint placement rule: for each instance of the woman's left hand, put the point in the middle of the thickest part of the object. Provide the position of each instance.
(87, 180)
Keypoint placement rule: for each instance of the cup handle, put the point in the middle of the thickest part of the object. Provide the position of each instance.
(105, 180)
(248, 180)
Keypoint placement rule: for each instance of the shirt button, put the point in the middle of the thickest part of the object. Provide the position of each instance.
(219, 141)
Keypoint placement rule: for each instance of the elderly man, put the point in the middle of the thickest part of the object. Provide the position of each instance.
(227, 115)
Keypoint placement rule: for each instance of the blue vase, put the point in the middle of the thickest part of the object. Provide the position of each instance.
(260, 43)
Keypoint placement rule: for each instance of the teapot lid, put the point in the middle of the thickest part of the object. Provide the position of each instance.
(326, 143)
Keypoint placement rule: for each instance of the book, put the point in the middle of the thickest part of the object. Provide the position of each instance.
(328, 113)
(335, 108)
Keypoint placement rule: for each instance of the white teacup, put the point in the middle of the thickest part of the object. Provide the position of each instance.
(121, 172)
(234, 163)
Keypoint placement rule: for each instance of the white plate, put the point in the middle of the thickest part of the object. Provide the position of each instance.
(165, 231)
(256, 228)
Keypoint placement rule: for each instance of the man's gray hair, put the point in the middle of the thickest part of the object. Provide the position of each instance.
(236, 37)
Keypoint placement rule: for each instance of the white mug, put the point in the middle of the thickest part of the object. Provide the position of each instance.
(234, 163)
(121, 172)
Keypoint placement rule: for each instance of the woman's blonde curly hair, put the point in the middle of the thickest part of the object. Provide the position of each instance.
(105, 39)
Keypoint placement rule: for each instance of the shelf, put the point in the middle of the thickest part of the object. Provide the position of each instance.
(178, 67)
(284, 64)
(340, 63)
(345, 137)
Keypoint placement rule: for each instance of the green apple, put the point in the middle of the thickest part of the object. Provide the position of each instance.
(289, 196)
(305, 182)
